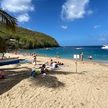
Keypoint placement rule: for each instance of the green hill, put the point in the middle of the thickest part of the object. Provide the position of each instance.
(27, 39)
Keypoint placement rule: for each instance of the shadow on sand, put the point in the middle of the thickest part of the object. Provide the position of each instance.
(12, 78)
(47, 81)
(51, 81)
(66, 73)
(14, 68)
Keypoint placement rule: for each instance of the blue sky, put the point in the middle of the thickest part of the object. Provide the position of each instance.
(70, 22)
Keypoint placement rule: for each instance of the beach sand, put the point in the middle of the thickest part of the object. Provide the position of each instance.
(64, 88)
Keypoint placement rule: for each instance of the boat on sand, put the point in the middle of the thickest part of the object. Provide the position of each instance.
(8, 61)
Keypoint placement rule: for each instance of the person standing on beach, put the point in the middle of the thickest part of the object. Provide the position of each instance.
(34, 59)
(81, 56)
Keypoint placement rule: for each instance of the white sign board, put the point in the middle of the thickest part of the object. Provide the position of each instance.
(76, 56)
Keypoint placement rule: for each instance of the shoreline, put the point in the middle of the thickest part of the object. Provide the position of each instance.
(85, 60)
(45, 59)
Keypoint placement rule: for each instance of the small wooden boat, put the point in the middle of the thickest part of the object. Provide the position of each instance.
(9, 61)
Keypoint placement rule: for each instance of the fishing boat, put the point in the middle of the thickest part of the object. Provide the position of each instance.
(104, 47)
(8, 61)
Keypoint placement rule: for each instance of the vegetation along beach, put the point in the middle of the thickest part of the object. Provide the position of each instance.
(53, 54)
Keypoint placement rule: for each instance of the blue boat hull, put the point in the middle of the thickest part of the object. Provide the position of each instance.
(9, 61)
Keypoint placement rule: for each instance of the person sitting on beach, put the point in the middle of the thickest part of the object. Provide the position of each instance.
(2, 75)
(35, 72)
(54, 65)
(60, 63)
(43, 69)
(51, 61)
(90, 57)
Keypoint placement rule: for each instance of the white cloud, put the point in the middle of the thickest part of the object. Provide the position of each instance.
(19, 7)
(97, 26)
(64, 27)
(23, 18)
(75, 9)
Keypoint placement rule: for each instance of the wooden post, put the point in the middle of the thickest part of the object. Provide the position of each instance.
(76, 65)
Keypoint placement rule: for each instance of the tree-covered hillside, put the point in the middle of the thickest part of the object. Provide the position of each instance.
(24, 38)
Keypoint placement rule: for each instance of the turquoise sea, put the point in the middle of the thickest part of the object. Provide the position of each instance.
(98, 54)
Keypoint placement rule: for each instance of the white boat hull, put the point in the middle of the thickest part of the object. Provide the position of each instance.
(104, 47)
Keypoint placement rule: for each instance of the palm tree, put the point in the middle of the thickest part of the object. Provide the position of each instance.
(10, 23)
(2, 45)
(7, 20)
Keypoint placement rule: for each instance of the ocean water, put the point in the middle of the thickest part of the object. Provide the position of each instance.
(67, 52)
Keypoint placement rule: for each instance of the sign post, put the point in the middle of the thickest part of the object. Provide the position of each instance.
(76, 65)
(76, 57)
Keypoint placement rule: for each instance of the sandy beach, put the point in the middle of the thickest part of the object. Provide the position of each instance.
(64, 88)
